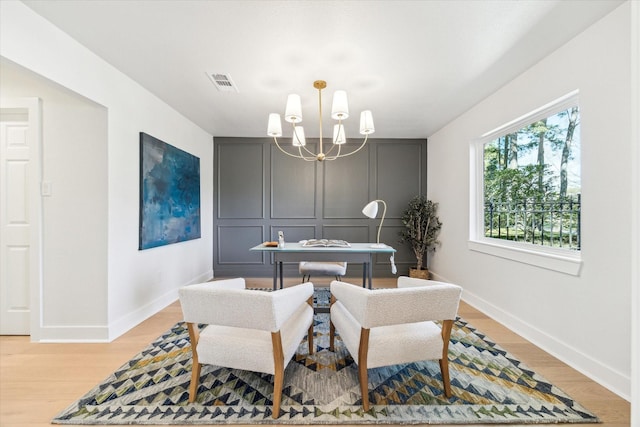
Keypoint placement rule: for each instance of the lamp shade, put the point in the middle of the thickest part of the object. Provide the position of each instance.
(298, 136)
(340, 106)
(293, 111)
(338, 134)
(371, 210)
(366, 123)
(274, 128)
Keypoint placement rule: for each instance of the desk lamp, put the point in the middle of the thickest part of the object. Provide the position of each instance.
(371, 210)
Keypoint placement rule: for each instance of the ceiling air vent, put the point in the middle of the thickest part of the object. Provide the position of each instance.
(223, 82)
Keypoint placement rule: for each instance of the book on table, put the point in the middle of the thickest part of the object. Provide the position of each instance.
(326, 243)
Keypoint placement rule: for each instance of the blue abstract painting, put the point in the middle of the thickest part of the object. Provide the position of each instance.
(169, 194)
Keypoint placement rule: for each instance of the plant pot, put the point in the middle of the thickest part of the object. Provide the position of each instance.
(419, 274)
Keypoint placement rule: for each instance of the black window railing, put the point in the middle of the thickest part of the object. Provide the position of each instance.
(550, 222)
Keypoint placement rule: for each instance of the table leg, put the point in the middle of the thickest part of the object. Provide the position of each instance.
(364, 274)
(275, 274)
(370, 271)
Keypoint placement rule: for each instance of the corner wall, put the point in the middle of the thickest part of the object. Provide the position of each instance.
(135, 284)
(583, 320)
(74, 216)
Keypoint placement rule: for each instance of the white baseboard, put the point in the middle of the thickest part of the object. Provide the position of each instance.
(204, 277)
(136, 317)
(73, 334)
(606, 376)
(128, 321)
(102, 334)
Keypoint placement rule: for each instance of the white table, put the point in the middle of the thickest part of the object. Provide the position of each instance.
(294, 252)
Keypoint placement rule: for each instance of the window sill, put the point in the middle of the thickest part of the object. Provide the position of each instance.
(549, 258)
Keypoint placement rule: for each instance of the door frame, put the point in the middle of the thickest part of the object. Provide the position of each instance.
(635, 203)
(33, 107)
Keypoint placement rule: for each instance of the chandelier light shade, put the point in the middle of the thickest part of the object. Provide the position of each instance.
(366, 123)
(371, 211)
(339, 112)
(293, 111)
(340, 106)
(275, 126)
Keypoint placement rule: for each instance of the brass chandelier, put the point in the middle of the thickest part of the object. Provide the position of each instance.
(339, 112)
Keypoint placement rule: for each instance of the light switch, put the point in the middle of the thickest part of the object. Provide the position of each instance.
(46, 188)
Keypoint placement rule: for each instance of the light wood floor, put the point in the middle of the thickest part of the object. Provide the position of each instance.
(37, 381)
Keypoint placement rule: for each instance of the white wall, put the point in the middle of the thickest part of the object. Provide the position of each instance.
(584, 320)
(74, 226)
(136, 284)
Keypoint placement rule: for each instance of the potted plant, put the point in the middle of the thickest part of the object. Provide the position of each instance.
(421, 229)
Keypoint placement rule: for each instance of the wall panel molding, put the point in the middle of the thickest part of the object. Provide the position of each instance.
(261, 191)
(239, 169)
(293, 187)
(233, 242)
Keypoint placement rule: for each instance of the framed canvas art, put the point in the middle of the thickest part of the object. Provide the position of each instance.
(169, 194)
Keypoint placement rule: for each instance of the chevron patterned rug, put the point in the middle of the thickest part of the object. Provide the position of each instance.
(490, 386)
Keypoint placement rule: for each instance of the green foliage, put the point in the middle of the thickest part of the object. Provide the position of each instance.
(506, 178)
(517, 184)
(422, 227)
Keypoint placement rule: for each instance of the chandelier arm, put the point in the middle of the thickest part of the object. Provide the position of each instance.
(339, 150)
(311, 153)
(300, 156)
(302, 146)
(332, 148)
(337, 137)
(305, 158)
(352, 152)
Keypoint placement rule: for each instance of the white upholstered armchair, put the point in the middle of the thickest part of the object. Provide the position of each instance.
(392, 326)
(246, 329)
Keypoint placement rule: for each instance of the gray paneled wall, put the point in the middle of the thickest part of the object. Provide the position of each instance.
(259, 191)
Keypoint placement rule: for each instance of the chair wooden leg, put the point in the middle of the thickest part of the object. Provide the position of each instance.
(278, 380)
(332, 328)
(332, 336)
(195, 380)
(194, 335)
(277, 392)
(444, 361)
(444, 369)
(310, 331)
(364, 385)
(310, 339)
(363, 350)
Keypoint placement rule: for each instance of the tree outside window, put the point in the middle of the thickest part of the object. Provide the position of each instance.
(531, 182)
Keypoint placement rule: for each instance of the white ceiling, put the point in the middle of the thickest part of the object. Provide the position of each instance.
(416, 64)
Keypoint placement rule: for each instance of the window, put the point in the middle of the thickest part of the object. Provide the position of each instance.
(526, 188)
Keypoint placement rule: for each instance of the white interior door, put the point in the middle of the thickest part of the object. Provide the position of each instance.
(19, 219)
